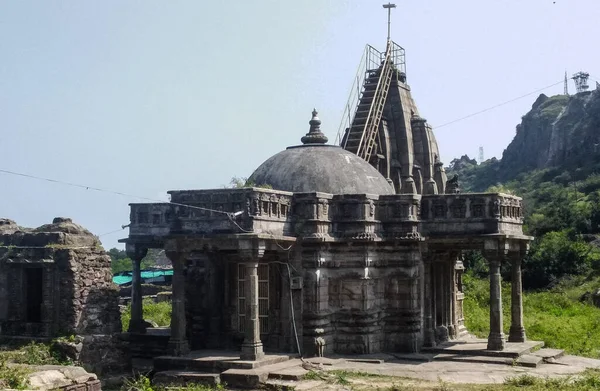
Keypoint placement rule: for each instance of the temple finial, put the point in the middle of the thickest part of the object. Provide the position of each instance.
(314, 135)
(389, 7)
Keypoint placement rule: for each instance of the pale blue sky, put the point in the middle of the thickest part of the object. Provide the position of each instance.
(146, 96)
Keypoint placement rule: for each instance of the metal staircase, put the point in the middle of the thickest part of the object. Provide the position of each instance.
(377, 70)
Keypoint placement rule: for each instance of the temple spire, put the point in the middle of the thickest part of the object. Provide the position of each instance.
(314, 135)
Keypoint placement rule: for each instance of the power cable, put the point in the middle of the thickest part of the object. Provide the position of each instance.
(496, 106)
(109, 191)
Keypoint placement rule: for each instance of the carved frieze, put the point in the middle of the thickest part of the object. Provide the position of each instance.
(458, 208)
(439, 209)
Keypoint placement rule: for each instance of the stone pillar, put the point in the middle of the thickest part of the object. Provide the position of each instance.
(178, 344)
(429, 328)
(252, 348)
(136, 253)
(451, 298)
(517, 330)
(496, 338)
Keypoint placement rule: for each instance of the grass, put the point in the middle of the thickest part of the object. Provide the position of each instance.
(14, 373)
(361, 381)
(160, 313)
(15, 377)
(142, 383)
(556, 317)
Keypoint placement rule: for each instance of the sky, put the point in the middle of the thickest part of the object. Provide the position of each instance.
(142, 97)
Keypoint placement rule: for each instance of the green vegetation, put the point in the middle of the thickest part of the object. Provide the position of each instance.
(14, 373)
(142, 383)
(562, 212)
(159, 313)
(239, 183)
(361, 381)
(11, 376)
(120, 262)
(557, 316)
(588, 381)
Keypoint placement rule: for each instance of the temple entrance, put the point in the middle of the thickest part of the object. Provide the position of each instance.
(33, 294)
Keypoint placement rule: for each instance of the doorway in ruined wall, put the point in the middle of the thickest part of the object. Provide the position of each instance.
(33, 294)
(263, 298)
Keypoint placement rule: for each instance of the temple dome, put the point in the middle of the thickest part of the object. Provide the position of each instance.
(316, 167)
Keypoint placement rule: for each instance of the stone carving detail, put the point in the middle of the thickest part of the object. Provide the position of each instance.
(320, 346)
(439, 210)
(459, 209)
(496, 208)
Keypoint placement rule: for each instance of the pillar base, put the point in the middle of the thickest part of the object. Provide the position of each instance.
(138, 326)
(429, 338)
(451, 332)
(252, 351)
(178, 347)
(496, 341)
(517, 334)
(441, 334)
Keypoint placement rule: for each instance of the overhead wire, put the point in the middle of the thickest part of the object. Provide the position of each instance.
(98, 189)
(109, 191)
(498, 105)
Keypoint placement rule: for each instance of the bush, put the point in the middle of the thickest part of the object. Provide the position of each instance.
(556, 255)
(556, 317)
(14, 377)
(159, 313)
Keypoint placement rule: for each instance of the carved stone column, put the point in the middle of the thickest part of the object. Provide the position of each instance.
(451, 299)
(136, 253)
(496, 340)
(429, 328)
(517, 330)
(178, 344)
(252, 348)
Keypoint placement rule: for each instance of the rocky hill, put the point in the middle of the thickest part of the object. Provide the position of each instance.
(560, 131)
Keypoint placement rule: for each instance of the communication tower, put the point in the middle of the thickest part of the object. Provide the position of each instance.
(581, 81)
(480, 155)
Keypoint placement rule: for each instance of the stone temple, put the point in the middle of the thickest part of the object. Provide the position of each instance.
(345, 248)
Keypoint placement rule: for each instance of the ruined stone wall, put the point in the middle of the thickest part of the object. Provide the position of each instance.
(62, 269)
(89, 301)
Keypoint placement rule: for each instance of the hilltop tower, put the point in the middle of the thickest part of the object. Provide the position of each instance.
(382, 125)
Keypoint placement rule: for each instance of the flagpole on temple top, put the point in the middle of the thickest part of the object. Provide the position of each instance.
(389, 7)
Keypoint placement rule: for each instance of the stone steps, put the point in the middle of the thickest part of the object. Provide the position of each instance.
(479, 348)
(473, 359)
(548, 354)
(212, 364)
(288, 385)
(529, 360)
(182, 378)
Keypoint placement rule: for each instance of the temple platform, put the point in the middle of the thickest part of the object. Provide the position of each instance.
(213, 367)
(478, 347)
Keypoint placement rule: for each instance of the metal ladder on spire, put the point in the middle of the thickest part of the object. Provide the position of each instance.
(362, 134)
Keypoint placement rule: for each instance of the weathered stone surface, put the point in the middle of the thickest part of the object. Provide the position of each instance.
(316, 167)
(52, 377)
(56, 280)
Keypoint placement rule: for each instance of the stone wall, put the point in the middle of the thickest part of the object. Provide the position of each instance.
(56, 280)
(361, 300)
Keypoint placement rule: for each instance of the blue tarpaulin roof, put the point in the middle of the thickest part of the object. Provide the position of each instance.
(125, 277)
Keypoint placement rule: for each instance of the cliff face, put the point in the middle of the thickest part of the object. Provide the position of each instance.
(558, 131)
